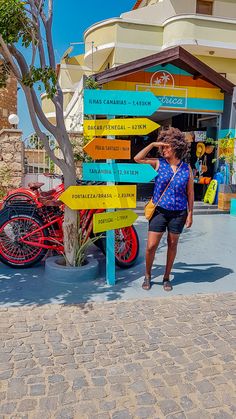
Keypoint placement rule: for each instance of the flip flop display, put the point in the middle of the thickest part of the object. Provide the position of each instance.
(211, 192)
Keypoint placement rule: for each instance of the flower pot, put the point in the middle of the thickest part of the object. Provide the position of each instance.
(57, 271)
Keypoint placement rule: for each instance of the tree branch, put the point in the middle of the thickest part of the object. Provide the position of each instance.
(8, 58)
(47, 22)
(35, 11)
(39, 132)
(50, 10)
(40, 114)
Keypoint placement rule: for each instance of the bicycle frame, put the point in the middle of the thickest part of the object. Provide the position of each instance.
(58, 247)
(86, 222)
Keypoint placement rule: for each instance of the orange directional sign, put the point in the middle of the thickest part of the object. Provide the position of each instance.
(101, 148)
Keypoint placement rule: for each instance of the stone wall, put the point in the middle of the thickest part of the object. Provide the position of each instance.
(11, 159)
(8, 102)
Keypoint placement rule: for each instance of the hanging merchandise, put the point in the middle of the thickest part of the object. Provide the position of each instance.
(200, 136)
(198, 165)
(200, 150)
(225, 170)
(227, 173)
(204, 165)
(209, 149)
(211, 192)
(220, 180)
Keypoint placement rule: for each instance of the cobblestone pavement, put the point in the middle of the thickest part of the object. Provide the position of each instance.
(156, 358)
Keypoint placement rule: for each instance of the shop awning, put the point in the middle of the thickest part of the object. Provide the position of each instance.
(176, 56)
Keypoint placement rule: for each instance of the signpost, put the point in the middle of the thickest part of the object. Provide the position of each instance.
(128, 126)
(110, 196)
(122, 102)
(118, 172)
(105, 221)
(96, 197)
(101, 148)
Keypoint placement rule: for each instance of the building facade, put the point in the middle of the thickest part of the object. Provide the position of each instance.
(183, 52)
(205, 28)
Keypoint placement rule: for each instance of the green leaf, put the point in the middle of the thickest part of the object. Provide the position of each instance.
(14, 22)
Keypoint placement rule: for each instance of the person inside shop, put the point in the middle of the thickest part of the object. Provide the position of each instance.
(172, 200)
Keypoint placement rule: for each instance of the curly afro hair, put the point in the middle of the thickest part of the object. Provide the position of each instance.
(176, 139)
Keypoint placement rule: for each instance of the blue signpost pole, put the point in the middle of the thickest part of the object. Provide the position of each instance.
(110, 240)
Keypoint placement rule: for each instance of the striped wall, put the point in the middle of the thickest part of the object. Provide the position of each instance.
(176, 89)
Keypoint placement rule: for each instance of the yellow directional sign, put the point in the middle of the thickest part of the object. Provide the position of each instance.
(105, 221)
(96, 197)
(129, 126)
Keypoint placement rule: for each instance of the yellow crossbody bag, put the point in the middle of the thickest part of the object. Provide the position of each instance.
(150, 207)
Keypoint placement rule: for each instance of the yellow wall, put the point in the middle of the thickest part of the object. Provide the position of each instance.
(48, 106)
(199, 29)
(224, 8)
(221, 65)
(221, 8)
(100, 36)
(110, 61)
(70, 76)
(139, 34)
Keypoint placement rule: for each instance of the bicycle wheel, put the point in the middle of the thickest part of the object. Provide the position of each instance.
(126, 246)
(12, 228)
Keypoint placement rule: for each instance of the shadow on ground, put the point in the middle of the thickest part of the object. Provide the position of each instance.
(30, 286)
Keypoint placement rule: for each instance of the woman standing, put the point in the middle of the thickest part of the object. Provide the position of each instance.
(173, 196)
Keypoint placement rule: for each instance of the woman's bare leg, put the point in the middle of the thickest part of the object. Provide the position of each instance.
(172, 241)
(152, 245)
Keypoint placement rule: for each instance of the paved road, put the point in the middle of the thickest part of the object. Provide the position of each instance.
(156, 358)
(125, 353)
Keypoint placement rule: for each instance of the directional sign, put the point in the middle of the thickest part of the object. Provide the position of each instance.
(101, 148)
(96, 197)
(105, 221)
(129, 126)
(118, 172)
(120, 102)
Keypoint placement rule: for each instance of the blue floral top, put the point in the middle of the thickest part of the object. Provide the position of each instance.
(175, 198)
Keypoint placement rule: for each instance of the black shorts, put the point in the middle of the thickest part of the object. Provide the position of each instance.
(163, 219)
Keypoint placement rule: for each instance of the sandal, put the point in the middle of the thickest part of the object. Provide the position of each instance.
(167, 285)
(146, 285)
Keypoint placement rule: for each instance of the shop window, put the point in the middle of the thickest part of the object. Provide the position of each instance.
(204, 7)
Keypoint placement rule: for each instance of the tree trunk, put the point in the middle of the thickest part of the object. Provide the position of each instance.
(71, 222)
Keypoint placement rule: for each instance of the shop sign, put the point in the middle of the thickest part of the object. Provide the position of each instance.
(120, 102)
(118, 172)
(101, 148)
(99, 197)
(162, 85)
(129, 126)
(227, 133)
(106, 221)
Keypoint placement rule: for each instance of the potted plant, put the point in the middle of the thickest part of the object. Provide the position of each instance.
(58, 268)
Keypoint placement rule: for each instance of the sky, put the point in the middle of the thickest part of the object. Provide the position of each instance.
(71, 19)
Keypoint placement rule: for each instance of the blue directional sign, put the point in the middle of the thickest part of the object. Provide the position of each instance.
(118, 172)
(120, 102)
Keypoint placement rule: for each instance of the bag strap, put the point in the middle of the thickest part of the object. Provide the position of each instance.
(163, 193)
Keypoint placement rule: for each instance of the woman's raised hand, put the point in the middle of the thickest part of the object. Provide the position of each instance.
(159, 144)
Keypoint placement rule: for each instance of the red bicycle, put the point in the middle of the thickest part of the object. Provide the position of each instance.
(31, 226)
